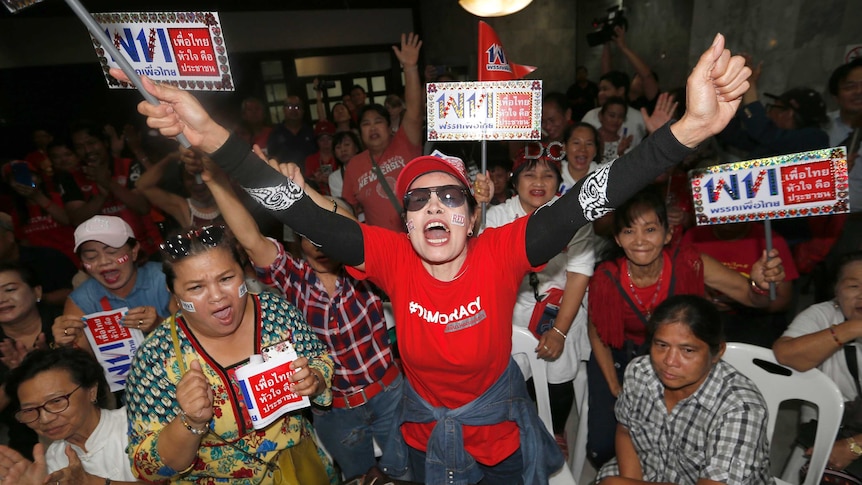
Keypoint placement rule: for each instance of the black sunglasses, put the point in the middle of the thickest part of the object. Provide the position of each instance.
(178, 246)
(451, 196)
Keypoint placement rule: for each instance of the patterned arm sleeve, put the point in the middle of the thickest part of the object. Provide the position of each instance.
(339, 237)
(551, 227)
(150, 403)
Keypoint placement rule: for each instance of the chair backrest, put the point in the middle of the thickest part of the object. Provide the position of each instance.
(778, 383)
(523, 342)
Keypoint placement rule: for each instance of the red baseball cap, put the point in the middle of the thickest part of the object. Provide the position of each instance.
(324, 127)
(436, 162)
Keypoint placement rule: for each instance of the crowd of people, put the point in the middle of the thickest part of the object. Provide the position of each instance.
(264, 240)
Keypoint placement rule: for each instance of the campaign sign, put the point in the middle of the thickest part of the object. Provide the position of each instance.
(795, 185)
(184, 49)
(15, 5)
(266, 389)
(113, 344)
(487, 110)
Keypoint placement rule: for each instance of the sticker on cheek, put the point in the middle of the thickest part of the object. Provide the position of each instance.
(459, 220)
(123, 259)
(187, 306)
(242, 290)
(88, 266)
(410, 226)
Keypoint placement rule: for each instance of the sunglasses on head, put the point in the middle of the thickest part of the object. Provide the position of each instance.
(179, 246)
(451, 196)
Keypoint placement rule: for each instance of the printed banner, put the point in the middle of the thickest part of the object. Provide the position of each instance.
(184, 49)
(795, 185)
(15, 5)
(488, 110)
(113, 344)
(266, 388)
(493, 63)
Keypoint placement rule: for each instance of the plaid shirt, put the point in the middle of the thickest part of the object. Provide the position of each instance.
(350, 322)
(717, 433)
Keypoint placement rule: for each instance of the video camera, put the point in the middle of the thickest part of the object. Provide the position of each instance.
(605, 26)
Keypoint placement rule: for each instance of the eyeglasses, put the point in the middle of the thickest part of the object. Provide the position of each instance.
(179, 246)
(451, 196)
(292, 106)
(53, 406)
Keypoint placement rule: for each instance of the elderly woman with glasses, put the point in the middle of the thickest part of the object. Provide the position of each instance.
(188, 416)
(466, 413)
(63, 396)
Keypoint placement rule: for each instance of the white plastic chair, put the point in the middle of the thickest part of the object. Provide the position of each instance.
(778, 383)
(523, 342)
(578, 451)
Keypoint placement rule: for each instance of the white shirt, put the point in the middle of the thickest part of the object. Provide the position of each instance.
(821, 316)
(633, 125)
(577, 257)
(106, 449)
(336, 183)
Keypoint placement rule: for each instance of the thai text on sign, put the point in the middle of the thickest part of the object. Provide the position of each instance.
(786, 186)
(266, 388)
(114, 344)
(184, 49)
(488, 110)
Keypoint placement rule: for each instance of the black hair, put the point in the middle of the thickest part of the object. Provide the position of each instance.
(130, 242)
(615, 100)
(618, 79)
(558, 99)
(83, 369)
(696, 312)
(531, 164)
(645, 200)
(377, 108)
(196, 247)
(502, 162)
(597, 140)
(844, 261)
(341, 135)
(93, 129)
(357, 86)
(26, 273)
(840, 74)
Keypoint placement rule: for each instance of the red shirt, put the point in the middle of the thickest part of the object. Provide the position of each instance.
(313, 164)
(361, 187)
(455, 337)
(41, 229)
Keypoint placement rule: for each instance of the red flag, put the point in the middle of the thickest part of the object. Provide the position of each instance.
(493, 63)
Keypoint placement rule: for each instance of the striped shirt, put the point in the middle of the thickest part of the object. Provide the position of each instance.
(351, 322)
(718, 433)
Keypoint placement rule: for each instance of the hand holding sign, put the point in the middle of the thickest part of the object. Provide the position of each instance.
(178, 114)
(713, 94)
(195, 396)
(768, 269)
(306, 381)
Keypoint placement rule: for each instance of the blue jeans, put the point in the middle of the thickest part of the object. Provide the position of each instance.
(507, 472)
(347, 433)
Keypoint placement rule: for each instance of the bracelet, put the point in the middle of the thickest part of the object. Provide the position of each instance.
(334, 205)
(756, 288)
(194, 431)
(560, 332)
(835, 336)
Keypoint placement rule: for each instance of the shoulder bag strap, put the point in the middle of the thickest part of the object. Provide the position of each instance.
(626, 296)
(385, 185)
(176, 340)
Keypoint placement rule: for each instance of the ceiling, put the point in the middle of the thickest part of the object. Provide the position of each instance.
(58, 8)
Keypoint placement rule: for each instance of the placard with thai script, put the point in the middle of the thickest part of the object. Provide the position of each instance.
(266, 389)
(782, 187)
(184, 49)
(113, 344)
(15, 5)
(488, 110)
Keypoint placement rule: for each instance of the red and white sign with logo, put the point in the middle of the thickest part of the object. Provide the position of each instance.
(266, 388)
(487, 110)
(184, 49)
(795, 185)
(113, 344)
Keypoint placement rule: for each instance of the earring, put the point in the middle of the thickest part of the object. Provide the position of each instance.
(470, 233)
(38, 300)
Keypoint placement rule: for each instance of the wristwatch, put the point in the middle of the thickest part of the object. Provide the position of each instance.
(854, 446)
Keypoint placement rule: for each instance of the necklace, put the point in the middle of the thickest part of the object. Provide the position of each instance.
(647, 310)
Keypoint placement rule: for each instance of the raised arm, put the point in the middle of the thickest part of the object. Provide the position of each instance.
(172, 204)
(179, 112)
(408, 56)
(713, 94)
(650, 86)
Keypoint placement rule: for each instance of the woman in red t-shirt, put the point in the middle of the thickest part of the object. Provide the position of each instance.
(625, 291)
